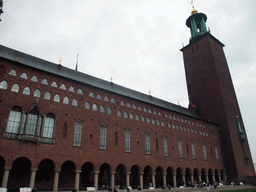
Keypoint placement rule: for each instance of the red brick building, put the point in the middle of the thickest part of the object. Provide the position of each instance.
(61, 128)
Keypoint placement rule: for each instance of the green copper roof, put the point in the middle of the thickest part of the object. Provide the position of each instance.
(65, 72)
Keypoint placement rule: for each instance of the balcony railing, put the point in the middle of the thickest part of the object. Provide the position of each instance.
(28, 138)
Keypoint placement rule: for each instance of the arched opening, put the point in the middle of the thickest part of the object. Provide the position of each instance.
(179, 177)
(196, 175)
(19, 174)
(203, 175)
(169, 176)
(67, 175)
(120, 176)
(2, 164)
(135, 180)
(87, 176)
(188, 177)
(210, 176)
(217, 178)
(147, 179)
(104, 176)
(159, 177)
(45, 175)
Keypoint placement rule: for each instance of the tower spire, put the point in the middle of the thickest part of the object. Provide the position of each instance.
(77, 61)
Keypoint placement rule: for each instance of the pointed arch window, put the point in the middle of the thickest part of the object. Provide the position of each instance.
(109, 111)
(79, 91)
(91, 95)
(122, 103)
(106, 99)
(139, 108)
(37, 93)
(145, 110)
(56, 98)
(99, 97)
(102, 109)
(112, 100)
(142, 118)
(94, 107)
(44, 81)
(134, 106)
(137, 117)
(63, 86)
(47, 96)
(148, 120)
(26, 91)
(162, 123)
(157, 122)
(155, 113)
(119, 113)
(34, 78)
(169, 125)
(159, 113)
(153, 121)
(125, 115)
(13, 72)
(66, 100)
(131, 116)
(149, 110)
(15, 88)
(87, 105)
(4, 85)
(72, 89)
(128, 105)
(54, 84)
(74, 102)
(24, 76)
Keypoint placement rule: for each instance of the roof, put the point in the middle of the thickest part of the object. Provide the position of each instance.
(49, 67)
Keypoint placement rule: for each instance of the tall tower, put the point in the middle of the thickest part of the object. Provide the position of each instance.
(212, 95)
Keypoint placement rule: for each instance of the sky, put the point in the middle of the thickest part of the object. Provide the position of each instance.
(137, 42)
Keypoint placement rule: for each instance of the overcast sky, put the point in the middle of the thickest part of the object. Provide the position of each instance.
(137, 42)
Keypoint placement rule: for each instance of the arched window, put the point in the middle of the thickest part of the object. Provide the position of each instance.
(119, 113)
(169, 125)
(87, 105)
(24, 76)
(99, 97)
(66, 100)
(15, 88)
(122, 103)
(145, 110)
(94, 107)
(74, 102)
(34, 78)
(13, 72)
(149, 110)
(142, 118)
(26, 91)
(134, 106)
(47, 96)
(131, 116)
(71, 89)
(162, 123)
(159, 113)
(112, 100)
(63, 86)
(125, 115)
(155, 113)
(128, 105)
(80, 91)
(33, 119)
(49, 126)
(153, 121)
(148, 120)
(91, 95)
(102, 109)
(3, 85)
(57, 98)
(137, 117)
(109, 111)
(44, 81)
(106, 98)
(37, 93)
(14, 120)
(54, 84)
(157, 122)
(139, 108)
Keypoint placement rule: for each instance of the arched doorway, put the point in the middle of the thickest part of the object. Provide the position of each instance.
(2, 164)
(188, 177)
(203, 175)
(120, 176)
(179, 177)
(159, 177)
(104, 176)
(147, 179)
(210, 176)
(135, 180)
(196, 175)
(67, 175)
(169, 176)
(45, 175)
(20, 173)
(87, 176)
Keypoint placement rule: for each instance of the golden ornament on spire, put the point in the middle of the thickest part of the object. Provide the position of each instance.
(149, 92)
(193, 10)
(111, 79)
(60, 61)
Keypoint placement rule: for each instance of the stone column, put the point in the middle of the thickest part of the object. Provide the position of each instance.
(32, 178)
(6, 176)
(164, 179)
(174, 180)
(213, 178)
(154, 180)
(200, 178)
(113, 180)
(207, 178)
(192, 179)
(184, 180)
(96, 174)
(77, 181)
(128, 178)
(219, 178)
(141, 180)
(56, 180)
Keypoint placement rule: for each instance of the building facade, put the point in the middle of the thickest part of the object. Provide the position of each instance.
(62, 129)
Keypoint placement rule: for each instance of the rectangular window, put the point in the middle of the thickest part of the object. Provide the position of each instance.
(193, 150)
(48, 127)
(103, 138)
(127, 141)
(216, 153)
(147, 140)
(77, 135)
(204, 150)
(165, 147)
(180, 148)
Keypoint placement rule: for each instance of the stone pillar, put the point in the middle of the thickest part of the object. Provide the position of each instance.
(96, 174)
(5, 177)
(77, 181)
(141, 180)
(128, 178)
(154, 180)
(164, 179)
(213, 178)
(207, 178)
(192, 179)
(219, 178)
(56, 180)
(113, 180)
(32, 178)
(184, 180)
(200, 178)
(174, 180)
